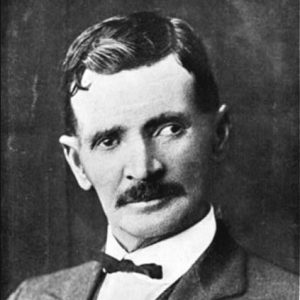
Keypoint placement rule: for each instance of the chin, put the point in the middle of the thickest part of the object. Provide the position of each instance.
(150, 223)
(153, 227)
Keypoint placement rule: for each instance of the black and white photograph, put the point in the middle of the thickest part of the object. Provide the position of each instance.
(149, 150)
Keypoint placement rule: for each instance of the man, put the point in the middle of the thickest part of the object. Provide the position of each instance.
(145, 130)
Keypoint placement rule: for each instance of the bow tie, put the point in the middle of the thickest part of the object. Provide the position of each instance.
(111, 265)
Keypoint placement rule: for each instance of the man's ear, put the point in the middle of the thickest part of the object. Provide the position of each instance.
(71, 151)
(222, 129)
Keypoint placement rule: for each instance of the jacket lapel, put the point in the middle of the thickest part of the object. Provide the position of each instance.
(83, 285)
(87, 283)
(77, 284)
(220, 272)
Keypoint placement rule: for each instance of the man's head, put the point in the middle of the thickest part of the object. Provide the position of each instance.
(143, 122)
(129, 42)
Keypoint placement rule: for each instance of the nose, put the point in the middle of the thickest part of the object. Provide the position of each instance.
(142, 162)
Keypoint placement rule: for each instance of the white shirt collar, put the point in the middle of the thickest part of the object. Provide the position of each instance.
(175, 254)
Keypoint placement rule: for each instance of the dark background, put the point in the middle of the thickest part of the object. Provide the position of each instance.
(48, 223)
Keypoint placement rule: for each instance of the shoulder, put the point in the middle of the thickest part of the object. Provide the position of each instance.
(58, 284)
(257, 278)
(267, 281)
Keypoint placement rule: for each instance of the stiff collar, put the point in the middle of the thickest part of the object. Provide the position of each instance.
(176, 254)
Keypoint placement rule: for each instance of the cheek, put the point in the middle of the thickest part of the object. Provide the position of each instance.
(192, 167)
(189, 163)
(104, 174)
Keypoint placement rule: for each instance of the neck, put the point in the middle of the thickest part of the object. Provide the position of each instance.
(131, 245)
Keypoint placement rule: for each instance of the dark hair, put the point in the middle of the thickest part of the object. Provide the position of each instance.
(128, 42)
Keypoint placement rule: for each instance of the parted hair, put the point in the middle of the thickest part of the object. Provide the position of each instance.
(128, 42)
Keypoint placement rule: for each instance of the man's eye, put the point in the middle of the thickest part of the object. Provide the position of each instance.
(171, 130)
(108, 143)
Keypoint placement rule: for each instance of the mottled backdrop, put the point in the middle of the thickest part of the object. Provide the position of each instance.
(48, 223)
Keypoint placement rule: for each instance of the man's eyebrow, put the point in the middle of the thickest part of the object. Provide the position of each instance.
(115, 131)
(168, 117)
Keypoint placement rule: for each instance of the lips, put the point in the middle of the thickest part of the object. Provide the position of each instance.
(148, 191)
(146, 198)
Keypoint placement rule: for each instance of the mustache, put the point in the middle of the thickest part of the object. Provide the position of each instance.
(146, 191)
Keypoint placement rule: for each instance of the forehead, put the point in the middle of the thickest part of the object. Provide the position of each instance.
(133, 96)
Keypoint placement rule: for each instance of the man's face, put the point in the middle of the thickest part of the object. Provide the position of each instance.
(145, 148)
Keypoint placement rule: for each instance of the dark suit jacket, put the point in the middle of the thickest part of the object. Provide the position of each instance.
(225, 271)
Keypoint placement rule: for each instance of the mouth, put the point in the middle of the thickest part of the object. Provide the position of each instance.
(146, 199)
(149, 194)
(150, 204)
